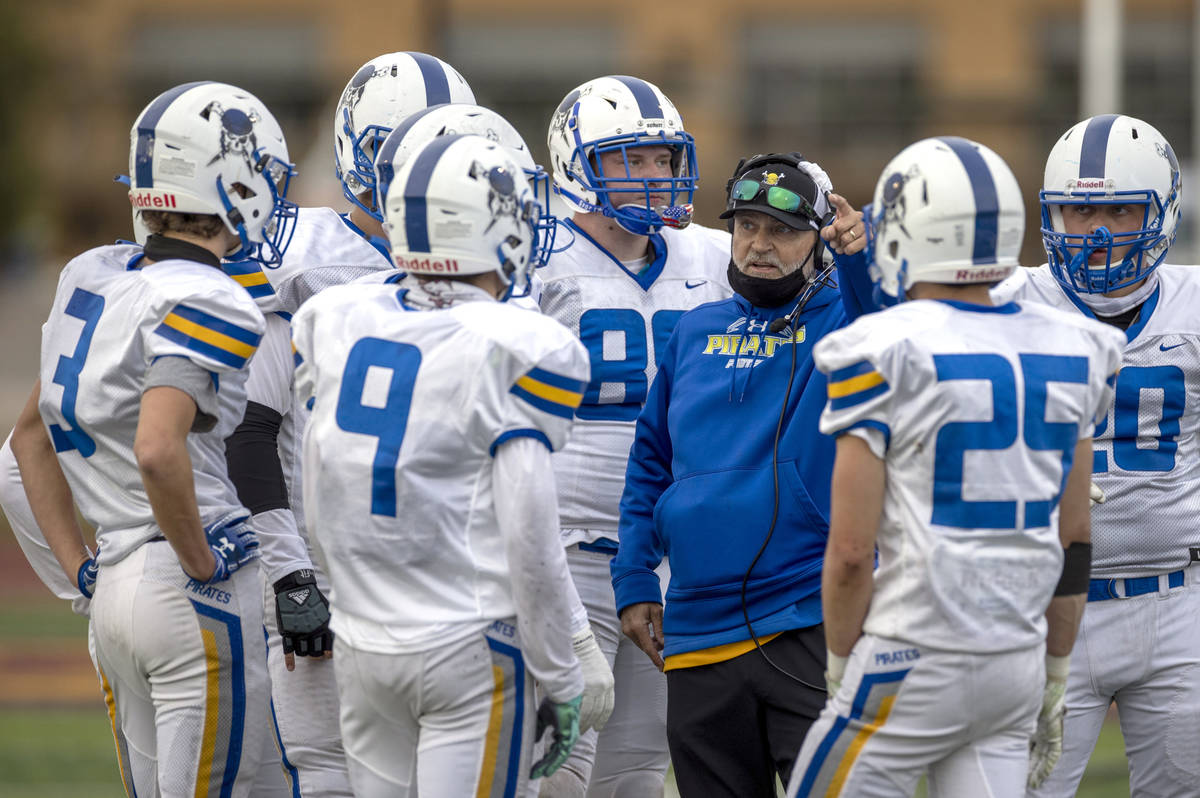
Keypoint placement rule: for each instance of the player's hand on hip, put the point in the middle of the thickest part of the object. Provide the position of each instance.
(562, 718)
(846, 234)
(302, 617)
(642, 623)
(85, 575)
(232, 543)
(1046, 746)
(835, 671)
(598, 681)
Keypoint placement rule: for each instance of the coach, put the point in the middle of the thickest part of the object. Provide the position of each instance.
(730, 478)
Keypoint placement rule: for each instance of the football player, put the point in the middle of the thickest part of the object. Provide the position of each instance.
(142, 378)
(625, 165)
(962, 426)
(428, 484)
(1111, 204)
(328, 248)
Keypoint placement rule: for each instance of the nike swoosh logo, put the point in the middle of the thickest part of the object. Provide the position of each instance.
(1164, 348)
(697, 284)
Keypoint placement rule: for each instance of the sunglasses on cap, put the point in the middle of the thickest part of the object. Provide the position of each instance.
(778, 197)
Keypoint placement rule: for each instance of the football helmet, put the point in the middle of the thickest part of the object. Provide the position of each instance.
(381, 94)
(1110, 160)
(946, 210)
(461, 205)
(615, 114)
(212, 148)
(449, 119)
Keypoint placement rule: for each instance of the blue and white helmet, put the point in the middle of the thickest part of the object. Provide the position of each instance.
(382, 93)
(1110, 160)
(453, 118)
(212, 148)
(460, 205)
(617, 113)
(946, 210)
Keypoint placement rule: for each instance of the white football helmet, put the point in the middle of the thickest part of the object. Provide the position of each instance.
(452, 118)
(616, 113)
(212, 148)
(946, 210)
(461, 205)
(381, 94)
(1110, 160)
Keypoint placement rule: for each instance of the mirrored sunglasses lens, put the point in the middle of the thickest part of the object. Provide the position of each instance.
(783, 199)
(745, 190)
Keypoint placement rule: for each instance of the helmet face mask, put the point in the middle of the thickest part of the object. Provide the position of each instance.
(618, 114)
(463, 118)
(945, 210)
(1105, 161)
(382, 93)
(460, 205)
(211, 148)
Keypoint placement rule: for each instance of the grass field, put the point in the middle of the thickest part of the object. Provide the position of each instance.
(55, 739)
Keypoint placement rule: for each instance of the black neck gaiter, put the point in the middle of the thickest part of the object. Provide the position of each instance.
(160, 247)
(765, 292)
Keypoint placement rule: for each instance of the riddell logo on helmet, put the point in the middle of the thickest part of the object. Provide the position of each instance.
(1089, 184)
(427, 265)
(981, 275)
(146, 199)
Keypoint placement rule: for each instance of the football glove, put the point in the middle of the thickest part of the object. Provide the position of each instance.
(1046, 746)
(563, 721)
(597, 682)
(85, 578)
(302, 615)
(1095, 495)
(232, 543)
(835, 670)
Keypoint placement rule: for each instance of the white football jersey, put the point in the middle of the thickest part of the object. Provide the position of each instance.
(1147, 453)
(624, 320)
(409, 406)
(109, 322)
(976, 411)
(326, 249)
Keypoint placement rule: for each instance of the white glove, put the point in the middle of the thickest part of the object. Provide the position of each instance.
(1046, 746)
(835, 669)
(1095, 495)
(597, 681)
(818, 175)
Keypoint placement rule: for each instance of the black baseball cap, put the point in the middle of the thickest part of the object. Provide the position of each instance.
(778, 188)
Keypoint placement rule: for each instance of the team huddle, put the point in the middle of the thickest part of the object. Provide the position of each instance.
(535, 506)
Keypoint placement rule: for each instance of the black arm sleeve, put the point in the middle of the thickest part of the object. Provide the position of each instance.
(252, 454)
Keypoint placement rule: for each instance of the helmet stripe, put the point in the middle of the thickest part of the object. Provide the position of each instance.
(387, 151)
(987, 202)
(437, 86)
(1094, 150)
(648, 104)
(143, 171)
(416, 227)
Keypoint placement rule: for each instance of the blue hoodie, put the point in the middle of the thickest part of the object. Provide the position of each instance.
(700, 488)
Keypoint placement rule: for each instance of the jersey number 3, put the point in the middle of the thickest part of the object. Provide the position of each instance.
(87, 307)
(956, 438)
(386, 421)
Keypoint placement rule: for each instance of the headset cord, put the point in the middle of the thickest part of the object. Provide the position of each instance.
(818, 282)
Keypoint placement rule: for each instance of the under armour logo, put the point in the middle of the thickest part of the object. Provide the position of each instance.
(224, 546)
(299, 596)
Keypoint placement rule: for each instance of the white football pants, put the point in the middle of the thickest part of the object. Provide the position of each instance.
(629, 757)
(456, 720)
(963, 719)
(184, 675)
(1144, 653)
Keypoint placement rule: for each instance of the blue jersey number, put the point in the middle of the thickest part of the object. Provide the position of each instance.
(957, 438)
(629, 371)
(1159, 382)
(387, 423)
(86, 306)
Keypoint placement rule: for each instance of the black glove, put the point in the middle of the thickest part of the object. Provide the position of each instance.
(302, 615)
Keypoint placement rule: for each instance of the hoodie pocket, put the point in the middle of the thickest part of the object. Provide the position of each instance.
(714, 524)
